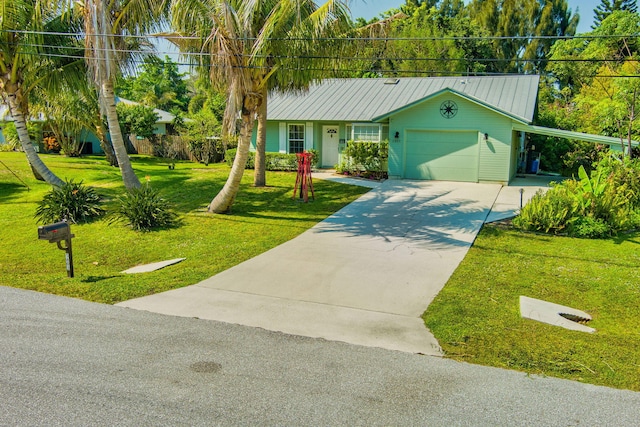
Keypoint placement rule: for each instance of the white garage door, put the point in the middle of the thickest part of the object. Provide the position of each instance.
(442, 156)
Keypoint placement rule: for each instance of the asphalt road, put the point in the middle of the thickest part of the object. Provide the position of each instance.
(69, 362)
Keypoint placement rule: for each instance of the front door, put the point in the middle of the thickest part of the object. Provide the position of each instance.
(330, 138)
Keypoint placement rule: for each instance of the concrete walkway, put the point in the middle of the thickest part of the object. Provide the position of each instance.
(362, 276)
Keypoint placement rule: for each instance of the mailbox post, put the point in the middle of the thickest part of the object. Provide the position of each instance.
(57, 233)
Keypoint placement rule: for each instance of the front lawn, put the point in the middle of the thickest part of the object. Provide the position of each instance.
(476, 317)
(261, 220)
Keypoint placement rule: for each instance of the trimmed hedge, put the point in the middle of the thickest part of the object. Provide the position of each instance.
(273, 161)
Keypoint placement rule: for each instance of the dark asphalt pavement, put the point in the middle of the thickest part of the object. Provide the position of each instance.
(70, 362)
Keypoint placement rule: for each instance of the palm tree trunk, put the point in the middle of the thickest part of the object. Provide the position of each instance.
(109, 101)
(37, 165)
(260, 177)
(224, 199)
(105, 144)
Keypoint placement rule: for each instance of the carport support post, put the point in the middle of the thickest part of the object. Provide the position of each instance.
(68, 254)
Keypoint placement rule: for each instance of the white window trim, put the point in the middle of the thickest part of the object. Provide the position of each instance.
(353, 125)
(308, 136)
(282, 146)
(288, 141)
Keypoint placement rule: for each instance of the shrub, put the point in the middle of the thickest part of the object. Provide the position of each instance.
(72, 202)
(365, 157)
(197, 132)
(590, 228)
(549, 212)
(143, 209)
(584, 154)
(51, 144)
(593, 206)
(273, 161)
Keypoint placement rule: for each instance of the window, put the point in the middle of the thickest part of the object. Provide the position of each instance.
(296, 138)
(368, 132)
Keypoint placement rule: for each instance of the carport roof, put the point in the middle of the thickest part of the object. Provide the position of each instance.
(363, 100)
(579, 136)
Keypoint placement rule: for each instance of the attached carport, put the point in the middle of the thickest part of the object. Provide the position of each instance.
(612, 142)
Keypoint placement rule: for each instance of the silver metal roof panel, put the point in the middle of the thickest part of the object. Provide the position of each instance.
(364, 99)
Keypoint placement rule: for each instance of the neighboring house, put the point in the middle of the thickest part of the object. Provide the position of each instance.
(5, 118)
(439, 128)
(164, 126)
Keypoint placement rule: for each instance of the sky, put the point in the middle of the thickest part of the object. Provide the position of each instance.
(371, 8)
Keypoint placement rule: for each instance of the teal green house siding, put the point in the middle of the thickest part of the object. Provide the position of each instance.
(449, 128)
(495, 154)
(276, 139)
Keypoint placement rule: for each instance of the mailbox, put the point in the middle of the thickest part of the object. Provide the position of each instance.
(56, 232)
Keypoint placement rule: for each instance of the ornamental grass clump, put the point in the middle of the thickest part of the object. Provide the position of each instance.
(72, 202)
(143, 209)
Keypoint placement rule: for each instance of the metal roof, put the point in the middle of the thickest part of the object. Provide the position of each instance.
(163, 116)
(363, 100)
(579, 136)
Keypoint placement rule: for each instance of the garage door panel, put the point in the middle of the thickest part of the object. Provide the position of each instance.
(447, 156)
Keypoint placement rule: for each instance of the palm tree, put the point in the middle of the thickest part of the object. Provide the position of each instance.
(317, 53)
(250, 45)
(107, 26)
(23, 24)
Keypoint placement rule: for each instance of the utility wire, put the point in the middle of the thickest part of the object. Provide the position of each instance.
(346, 38)
(308, 57)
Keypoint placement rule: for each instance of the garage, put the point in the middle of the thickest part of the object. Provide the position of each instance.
(442, 155)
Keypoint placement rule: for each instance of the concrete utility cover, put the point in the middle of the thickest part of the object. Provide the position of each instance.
(152, 267)
(547, 312)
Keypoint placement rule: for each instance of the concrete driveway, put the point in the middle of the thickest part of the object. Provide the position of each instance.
(362, 276)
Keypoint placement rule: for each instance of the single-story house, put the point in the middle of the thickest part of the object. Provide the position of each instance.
(163, 126)
(439, 128)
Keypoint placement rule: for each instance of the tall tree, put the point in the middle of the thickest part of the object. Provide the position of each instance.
(250, 45)
(517, 25)
(599, 73)
(158, 84)
(606, 8)
(107, 25)
(23, 41)
(453, 41)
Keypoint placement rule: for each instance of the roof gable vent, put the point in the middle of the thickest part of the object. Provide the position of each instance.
(391, 81)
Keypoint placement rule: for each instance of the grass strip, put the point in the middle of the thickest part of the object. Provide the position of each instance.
(476, 317)
(262, 218)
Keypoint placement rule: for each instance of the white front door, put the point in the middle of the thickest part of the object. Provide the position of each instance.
(330, 138)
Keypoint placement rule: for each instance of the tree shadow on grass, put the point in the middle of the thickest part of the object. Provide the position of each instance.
(627, 238)
(9, 190)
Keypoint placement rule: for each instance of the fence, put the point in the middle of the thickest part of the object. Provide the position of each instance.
(169, 146)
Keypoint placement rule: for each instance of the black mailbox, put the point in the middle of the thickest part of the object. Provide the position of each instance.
(56, 232)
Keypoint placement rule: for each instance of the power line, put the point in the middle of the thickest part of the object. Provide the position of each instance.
(334, 39)
(320, 57)
(342, 71)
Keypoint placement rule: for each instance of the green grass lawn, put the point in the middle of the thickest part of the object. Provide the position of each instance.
(261, 220)
(476, 317)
